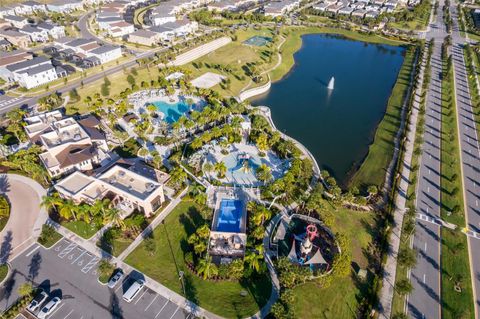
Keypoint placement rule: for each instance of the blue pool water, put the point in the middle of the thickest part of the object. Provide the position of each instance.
(172, 111)
(230, 215)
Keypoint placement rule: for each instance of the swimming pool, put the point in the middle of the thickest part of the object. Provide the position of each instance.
(229, 216)
(172, 111)
(257, 41)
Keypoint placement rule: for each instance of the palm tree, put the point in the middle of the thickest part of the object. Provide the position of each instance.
(221, 169)
(112, 215)
(68, 209)
(262, 213)
(263, 173)
(253, 259)
(207, 268)
(51, 202)
(178, 176)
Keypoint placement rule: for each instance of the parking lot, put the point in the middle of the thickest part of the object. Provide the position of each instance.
(70, 272)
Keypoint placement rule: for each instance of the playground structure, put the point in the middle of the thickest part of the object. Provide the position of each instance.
(306, 242)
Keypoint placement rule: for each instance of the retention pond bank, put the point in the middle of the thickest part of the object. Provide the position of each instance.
(337, 125)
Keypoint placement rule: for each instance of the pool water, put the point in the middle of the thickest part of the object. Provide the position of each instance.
(172, 111)
(230, 215)
(258, 41)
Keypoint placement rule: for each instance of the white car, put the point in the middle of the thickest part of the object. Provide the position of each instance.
(115, 279)
(49, 308)
(37, 301)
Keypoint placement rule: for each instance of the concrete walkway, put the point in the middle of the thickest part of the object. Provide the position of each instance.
(390, 268)
(26, 215)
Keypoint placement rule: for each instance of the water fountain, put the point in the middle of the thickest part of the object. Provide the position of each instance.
(331, 83)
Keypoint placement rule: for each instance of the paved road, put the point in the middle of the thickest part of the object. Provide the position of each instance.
(69, 271)
(470, 153)
(24, 196)
(424, 301)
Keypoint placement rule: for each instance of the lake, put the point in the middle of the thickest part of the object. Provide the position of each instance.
(337, 125)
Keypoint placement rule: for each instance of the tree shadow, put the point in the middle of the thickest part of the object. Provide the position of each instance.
(7, 289)
(34, 266)
(115, 307)
(6, 247)
(4, 184)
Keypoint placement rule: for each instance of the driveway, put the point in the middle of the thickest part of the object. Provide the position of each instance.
(26, 216)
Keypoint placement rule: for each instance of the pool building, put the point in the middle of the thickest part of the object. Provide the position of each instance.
(228, 237)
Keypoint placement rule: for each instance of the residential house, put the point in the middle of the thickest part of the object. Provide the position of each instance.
(61, 6)
(120, 29)
(32, 73)
(53, 30)
(16, 21)
(35, 34)
(106, 53)
(10, 58)
(16, 38)
(144, 37)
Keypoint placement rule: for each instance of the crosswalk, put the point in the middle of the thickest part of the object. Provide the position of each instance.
(9, 101)
(439, 222)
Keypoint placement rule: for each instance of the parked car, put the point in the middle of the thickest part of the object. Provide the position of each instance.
(37, 301)
(2, 92)
(115, 279)
(134, 289)
(49, 308)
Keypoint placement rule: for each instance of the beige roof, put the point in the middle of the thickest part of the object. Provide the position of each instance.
(74, 183)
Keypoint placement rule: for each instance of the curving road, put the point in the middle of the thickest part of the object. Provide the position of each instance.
(26, 216)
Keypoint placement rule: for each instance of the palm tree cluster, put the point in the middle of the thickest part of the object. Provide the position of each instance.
(100, 213)
(28, 162)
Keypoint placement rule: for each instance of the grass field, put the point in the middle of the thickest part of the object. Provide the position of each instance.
(3, 272)
(340, 299)
(4, 205)
(222, 297)
(454, 257)
(236, 55)
(81, 228)
(380, 153)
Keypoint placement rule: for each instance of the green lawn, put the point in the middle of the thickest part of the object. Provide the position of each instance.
(236, 55)
(3, 272)
(341, 298)
(49, 236)
(81, 228)
(454, 257)
(380, 153)
(222, 297)
(4, 212)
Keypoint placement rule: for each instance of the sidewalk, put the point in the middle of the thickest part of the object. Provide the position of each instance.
(390, 268)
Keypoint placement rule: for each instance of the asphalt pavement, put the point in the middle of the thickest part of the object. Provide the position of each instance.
(470, 153)
(424, 301)
(70, 272)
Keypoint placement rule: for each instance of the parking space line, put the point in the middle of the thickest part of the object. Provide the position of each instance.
(144, 292)
(68, 314)
(67, 250)
(59, 246)
(119, 286)
(162, 308)
(56, 310)
(178, 307)
(90, 265)
(79, 256)
(151, 302)
(32, 251)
